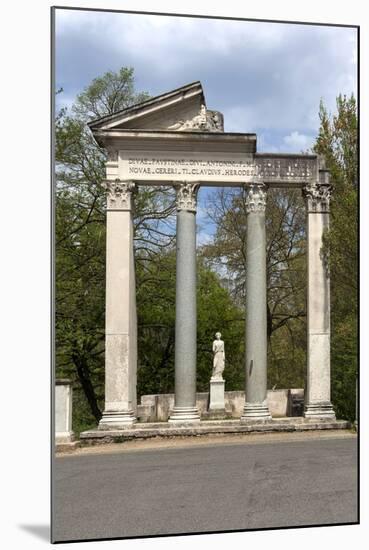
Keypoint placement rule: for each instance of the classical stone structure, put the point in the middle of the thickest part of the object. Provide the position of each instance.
(173, 139)
(282, 403)
(64, 435)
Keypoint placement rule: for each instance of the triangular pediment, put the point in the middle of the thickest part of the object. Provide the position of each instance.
(181, 109)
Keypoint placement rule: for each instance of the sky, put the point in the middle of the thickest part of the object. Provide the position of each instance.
(267, 78)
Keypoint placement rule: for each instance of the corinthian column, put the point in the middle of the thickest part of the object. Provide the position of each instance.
(256, 407)
(185, 409)
(318, 392)
(120, 321)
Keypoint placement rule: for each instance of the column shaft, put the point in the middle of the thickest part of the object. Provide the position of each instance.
(256, 308)
(317, 394)
(185, 409)
(121, 320)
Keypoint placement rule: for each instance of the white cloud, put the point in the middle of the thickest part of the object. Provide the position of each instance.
(297, 143)
(265, 77)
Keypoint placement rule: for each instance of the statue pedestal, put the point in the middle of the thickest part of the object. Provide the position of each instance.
(216, 402)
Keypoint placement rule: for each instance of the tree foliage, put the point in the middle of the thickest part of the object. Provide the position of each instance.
(80, 238)
(156, 326)
(286, 272)
(108, 94)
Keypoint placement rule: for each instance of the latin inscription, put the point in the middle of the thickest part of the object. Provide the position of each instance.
(187, 167)
(226, 168)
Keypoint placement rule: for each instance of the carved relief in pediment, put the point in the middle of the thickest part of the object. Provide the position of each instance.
(204, 121)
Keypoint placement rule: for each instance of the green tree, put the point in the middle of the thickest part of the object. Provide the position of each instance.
(80, 238)
(108, 94)
(286, 273)
(337, 142)
(156, 326)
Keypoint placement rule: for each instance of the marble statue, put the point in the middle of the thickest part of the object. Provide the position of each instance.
(219, 357)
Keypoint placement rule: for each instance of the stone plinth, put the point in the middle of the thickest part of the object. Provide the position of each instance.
(217, 402)
(63, 412)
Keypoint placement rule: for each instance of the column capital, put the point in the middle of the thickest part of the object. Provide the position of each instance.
(119, 194)
(317, 196)
(186, 195)
(255, 197)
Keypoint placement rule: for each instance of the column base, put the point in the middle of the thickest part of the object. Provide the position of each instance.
(116, 420)
(181, 415)
(320, 410)
(64, 437)
(255, 412)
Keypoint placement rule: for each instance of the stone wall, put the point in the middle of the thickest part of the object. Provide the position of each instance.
(156, 408)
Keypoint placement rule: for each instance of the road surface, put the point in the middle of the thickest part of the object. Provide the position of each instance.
(206, 488)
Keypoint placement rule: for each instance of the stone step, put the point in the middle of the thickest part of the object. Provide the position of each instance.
(165, 429)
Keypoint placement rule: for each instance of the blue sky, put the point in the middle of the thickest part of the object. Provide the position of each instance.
(266, 78)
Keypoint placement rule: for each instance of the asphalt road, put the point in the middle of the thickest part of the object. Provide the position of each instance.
(204, 489)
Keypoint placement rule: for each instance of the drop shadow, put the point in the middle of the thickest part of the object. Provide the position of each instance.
(40, 531)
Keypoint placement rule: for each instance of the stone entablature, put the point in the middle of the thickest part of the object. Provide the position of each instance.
(285, 169)
(222, 168)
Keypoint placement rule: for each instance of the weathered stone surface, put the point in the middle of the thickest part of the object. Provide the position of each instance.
(285, 169)
(318, 398)
(119, 194)
(216, 414)
(256, 307)
(146, 413)
(202, 121)
(277, 401)
(67, 447)
(180, 109)
(217, 394)
(121, 320)
(164, 429)
(223, 168)
(185, 409)
(186, 196)
(234, 402)
(295, 403)
(63, 411)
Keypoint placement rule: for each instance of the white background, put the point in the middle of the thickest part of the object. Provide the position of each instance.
(25, 273)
